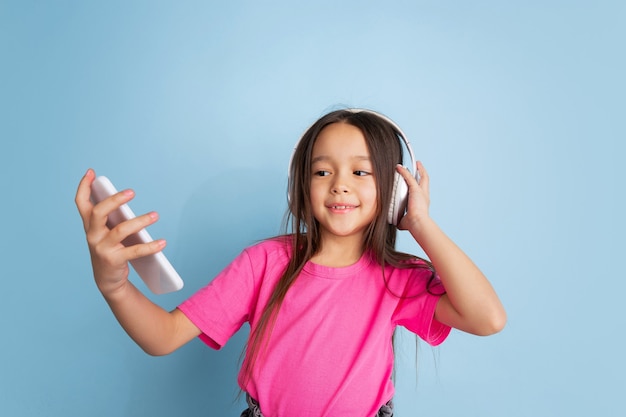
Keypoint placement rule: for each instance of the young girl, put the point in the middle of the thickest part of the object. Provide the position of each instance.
(323, 300)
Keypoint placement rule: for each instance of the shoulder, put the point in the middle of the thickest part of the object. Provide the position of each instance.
(412, 276)
(275, 248)
(414, 267)
(269, 256)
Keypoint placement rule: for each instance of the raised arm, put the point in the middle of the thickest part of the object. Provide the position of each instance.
(155, 330)
(470, 303)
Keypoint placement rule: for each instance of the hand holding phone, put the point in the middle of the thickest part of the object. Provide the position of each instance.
(155, 270)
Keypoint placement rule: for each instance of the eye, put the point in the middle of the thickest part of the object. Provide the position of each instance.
(361, 173)
(321, 173)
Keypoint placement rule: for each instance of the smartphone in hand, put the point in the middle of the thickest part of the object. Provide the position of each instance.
(155, 270)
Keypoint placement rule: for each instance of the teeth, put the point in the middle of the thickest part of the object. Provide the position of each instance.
(340, 207)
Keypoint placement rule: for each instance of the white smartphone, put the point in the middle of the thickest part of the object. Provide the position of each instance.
(155, 270)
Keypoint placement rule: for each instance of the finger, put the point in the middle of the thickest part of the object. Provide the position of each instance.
(82, 199)
(103, 209)
(144, 249)
(424, 180)
(407, 175)
(130, 227)
(121, 244)
(98, 228)
(126, 232)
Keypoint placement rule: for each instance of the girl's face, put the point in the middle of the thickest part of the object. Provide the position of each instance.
(343, 187)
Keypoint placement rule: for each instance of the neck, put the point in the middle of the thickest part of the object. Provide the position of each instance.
(339, 251)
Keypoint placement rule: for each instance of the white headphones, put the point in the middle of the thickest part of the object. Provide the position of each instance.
(400, 192)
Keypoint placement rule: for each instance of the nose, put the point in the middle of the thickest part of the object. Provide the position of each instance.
(340, 185)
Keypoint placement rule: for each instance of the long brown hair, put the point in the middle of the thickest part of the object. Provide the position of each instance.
(303, 230)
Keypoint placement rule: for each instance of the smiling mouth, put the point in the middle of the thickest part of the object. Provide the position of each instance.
(341, 207)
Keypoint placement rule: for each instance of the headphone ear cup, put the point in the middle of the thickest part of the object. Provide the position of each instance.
(399, 195)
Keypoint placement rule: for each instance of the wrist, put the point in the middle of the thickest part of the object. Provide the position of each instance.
(419, 227)
(114, 292)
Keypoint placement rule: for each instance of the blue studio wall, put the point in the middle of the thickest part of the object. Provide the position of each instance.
(516, 108)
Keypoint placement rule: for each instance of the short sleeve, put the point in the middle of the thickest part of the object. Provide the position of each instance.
(222, 307)
(416, 308)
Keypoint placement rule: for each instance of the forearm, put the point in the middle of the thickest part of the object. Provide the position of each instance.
(150, 326)
(476, 306)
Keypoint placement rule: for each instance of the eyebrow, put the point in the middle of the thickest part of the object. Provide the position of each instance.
(326, 158)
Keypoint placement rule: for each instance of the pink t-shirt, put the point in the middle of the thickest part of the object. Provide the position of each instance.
(330, 352)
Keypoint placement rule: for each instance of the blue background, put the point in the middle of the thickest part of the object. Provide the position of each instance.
(516, 108)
